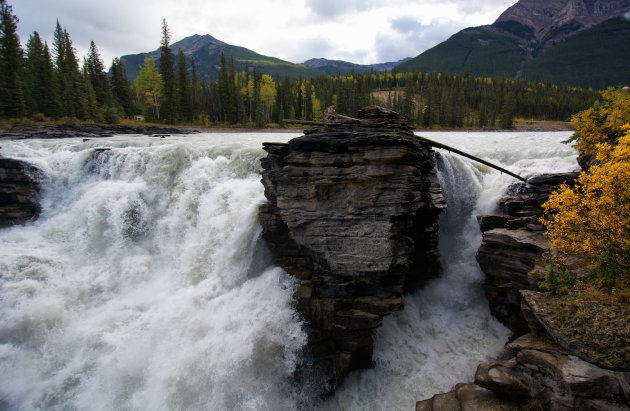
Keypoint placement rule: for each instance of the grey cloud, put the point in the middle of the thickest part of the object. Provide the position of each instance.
(406, 25)
(336, 8)
(409, 40)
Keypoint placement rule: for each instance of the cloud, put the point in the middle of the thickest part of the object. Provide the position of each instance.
(405, 25)
(333, 9)
(408, 39)
(362, 31)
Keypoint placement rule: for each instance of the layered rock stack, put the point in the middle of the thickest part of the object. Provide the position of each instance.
(352, 212)
(512, 244)
(540, 376)
(19, 191)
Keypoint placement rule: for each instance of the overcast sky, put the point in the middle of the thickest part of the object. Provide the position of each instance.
(361, 31)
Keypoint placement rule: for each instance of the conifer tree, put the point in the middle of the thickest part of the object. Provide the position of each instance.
(183, 89)
(71, 88)
(234, 107)
(97, 75)
(224, 90)
(259, 114)
(196, 103)
(12, 99)
(122, 94)
(91, 101)
(40, 81)
(167, 70)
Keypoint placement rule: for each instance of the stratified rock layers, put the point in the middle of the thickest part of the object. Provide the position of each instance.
(353, 213)
(19, 192)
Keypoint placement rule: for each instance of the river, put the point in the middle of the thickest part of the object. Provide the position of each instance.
(145, 283)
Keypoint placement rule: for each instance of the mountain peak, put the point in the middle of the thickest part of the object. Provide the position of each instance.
(546, 16)
(196, 42)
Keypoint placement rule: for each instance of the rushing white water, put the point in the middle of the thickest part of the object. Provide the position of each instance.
(446, 329)
(144, 283)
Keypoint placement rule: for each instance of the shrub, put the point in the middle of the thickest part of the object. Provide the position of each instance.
(592, 220)
(602, 123)
(556, 280)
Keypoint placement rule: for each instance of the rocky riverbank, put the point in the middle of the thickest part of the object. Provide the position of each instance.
(555, 362)
(84, 130)
(352, 213)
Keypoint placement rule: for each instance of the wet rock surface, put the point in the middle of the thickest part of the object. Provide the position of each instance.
(513, 243)
(352, 212)
(19, 192)
(541, 375)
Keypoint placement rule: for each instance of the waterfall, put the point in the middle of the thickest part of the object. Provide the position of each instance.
(145, 284)
(446, 329)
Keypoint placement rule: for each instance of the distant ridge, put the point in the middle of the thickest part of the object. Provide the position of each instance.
(344, 67)
(578, 42)
(206, 51)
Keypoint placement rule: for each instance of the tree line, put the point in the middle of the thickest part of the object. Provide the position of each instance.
(40, 82)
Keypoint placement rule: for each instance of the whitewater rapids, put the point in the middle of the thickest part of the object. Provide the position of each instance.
(145, 284)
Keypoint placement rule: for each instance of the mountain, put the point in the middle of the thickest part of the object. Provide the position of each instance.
(554, 31)
(206, 51)
(596, 57)
(339, 66)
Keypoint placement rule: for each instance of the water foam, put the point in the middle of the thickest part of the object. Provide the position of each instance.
(144, 284)
(446, 329)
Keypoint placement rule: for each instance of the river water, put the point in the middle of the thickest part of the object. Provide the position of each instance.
(145, 284)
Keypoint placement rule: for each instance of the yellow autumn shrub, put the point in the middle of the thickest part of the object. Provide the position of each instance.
(592, 220)
(602, 123)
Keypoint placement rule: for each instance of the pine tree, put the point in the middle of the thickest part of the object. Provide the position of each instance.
(97, 75)
(259, 114)
(92, 105)
(122, 94)
(224, 89)
(12, 98)
(167, 70)
(234, 107)
(183, 89)
(196, 103)
(71, 88)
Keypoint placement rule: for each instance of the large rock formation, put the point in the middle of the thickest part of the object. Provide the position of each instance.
(511, 246)
(353, 213)
(540, 375)
(19, 191)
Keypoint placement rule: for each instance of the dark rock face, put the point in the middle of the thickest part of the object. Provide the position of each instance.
(511, 246)
(19, 192)
(540, 375)
(353, 213)
(558, 380)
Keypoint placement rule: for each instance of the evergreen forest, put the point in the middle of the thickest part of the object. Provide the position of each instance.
(50, 82)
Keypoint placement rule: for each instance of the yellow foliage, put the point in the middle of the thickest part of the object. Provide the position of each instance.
(592, 220)
(602, 123)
